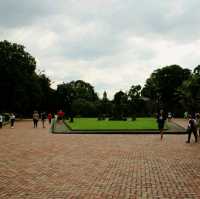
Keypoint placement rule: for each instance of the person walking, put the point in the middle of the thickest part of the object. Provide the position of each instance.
(185, 115)
(12, 120)
(169, 116)
(192, 128)
(1, 121)
(35, 118)
(43, 117)
(49, 117)
(161, 122)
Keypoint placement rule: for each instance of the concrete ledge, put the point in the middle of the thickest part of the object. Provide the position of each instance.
(122, 132)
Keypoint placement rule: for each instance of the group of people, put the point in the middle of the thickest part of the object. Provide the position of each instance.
(36, 117)
(43, 116)
(11, 118)
(192, 127)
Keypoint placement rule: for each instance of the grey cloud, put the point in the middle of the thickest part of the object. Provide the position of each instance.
(101, 33)
(149, 18)
(23, 13)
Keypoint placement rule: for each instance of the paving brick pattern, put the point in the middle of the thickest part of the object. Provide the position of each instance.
(36, 164)
(181, 122)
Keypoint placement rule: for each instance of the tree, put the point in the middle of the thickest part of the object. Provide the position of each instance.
(120, 105)
(84, 108)
(135, 101)
(162, 85)
(134, 92)
(65, 95)
(47, 93)
(16, 65)
(197, 70)
(189, 92)
(106, 106)
(22, 88)
(72, 96)
(84, 90)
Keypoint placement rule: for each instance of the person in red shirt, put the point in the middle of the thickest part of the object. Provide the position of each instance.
(60, 114)
(49, 117)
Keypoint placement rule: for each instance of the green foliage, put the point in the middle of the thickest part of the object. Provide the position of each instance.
(120, 106)
(171, 87)
(134, 92)
(83, 107)
(197, 70)
(23, 90)
(188, 93)
(77, 98)
(162, 86)
(104, 106)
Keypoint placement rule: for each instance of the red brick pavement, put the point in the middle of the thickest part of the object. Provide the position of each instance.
(181, 122)
(36, 164)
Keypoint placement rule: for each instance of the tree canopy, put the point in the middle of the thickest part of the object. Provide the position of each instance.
(23, 90)
(173, 88)
(162, 86)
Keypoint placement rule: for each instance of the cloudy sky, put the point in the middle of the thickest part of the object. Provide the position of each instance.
(111, 44)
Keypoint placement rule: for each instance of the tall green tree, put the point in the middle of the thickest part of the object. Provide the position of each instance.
(189, 92)
(162, 85)
(72, 96)
(106, 106)
(16, 67)
(84, 90)
(22, 89)
(120, 102)
(136, 104)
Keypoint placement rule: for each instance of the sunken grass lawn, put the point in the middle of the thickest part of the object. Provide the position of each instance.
(94, 124)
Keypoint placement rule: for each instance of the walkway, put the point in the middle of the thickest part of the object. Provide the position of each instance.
(35, 164)
(181, 122)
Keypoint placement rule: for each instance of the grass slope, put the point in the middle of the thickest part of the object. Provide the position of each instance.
(94, 124)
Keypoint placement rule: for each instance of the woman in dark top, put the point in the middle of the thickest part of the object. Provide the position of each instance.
(161, 122)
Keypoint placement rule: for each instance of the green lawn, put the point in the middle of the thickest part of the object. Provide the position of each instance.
(94, 124)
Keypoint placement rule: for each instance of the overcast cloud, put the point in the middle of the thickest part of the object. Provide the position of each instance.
(111, 44)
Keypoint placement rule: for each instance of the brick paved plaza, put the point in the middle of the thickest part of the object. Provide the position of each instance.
(37, 164)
